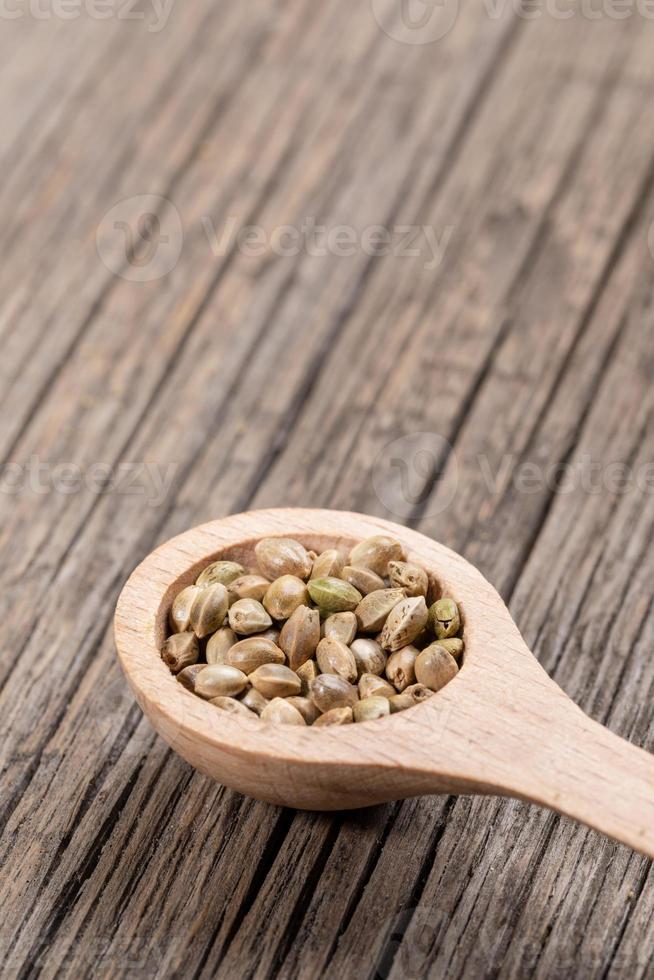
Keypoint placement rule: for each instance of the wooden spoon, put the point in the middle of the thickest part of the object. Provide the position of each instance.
(501, 726)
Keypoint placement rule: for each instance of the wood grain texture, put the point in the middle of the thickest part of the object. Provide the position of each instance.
(277, 381)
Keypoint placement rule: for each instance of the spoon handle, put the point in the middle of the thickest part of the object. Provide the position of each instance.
(581, 769)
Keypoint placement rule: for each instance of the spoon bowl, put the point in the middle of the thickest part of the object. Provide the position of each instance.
(500, 727)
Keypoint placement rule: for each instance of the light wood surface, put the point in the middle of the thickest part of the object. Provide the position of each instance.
(501, 726)
(269, 381)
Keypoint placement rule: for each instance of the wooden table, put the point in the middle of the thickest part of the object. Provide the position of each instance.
(172, 352)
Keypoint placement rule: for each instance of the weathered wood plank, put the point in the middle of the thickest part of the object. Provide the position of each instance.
(107, 887)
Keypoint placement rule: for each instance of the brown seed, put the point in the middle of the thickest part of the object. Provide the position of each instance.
(254, 700)
(248, 616)
(220, 571)
(218, 646)
(376, 552)
(282, 713)
(272, 633)
(233, 707)
(435, 667)
(334, 657)
(249, 654)
(363, 579)
(370, 685)
(412, 578)
(400, 702)
(306, 707)
(275, 681)
(220, 680)
(284, 596)
(405, 622)
(333, 595)
(248, 587)
(180, 650)
(400, 668)
(328, 564)
(300, 636)
(209, 610)
(329, 691)
(418, 692)
(307, 672)
(370, 709)
(444, 618)
(341, 626)
(282, 556)
(335, 716)
(373, 611)
(187, 676)
(369, 656)
(180, 612)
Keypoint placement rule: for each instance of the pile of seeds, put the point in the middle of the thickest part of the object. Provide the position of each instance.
(312, 639)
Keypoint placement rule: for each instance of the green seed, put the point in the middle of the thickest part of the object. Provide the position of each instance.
(370, 709)
(369, 656)
(412, 578)
(405, 622)
(335, 716)
(249, 654)
(282, 713)
(373, 611)
(328, 564)
(400, 668)
(180, 612)
(334, 657)
(453, 645)
(400, 702)
(444, 618)
(247, 616)
(333, 595)
(341, 626)
(180, 650)
(209, 610)
(329, 691)
(376, 552)
(220, 680)
(275, 681)
(284, 596)
(300, 636)
(220, 571)
(435, 667)
(363, 579)
(282, 556)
